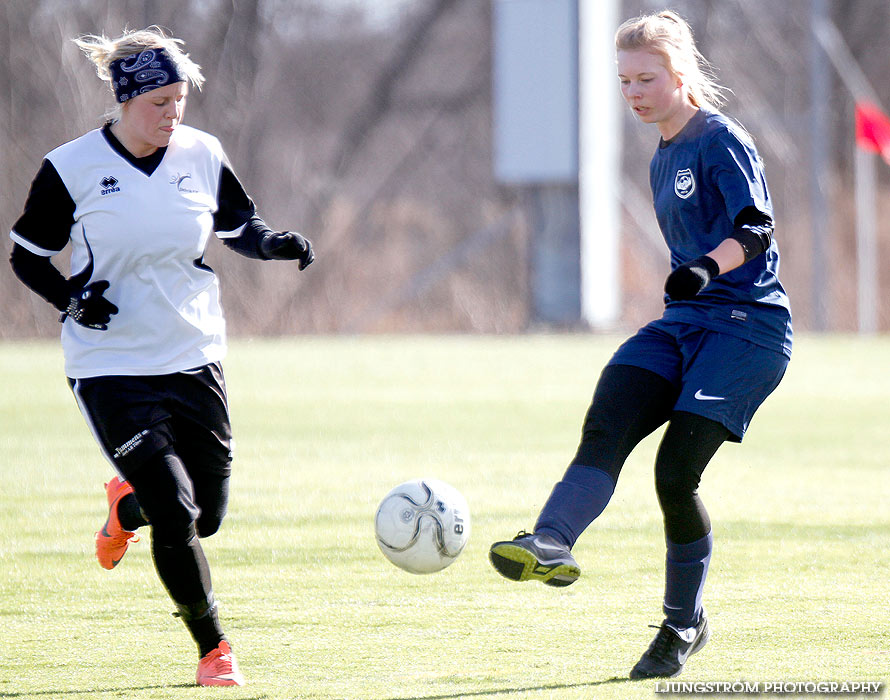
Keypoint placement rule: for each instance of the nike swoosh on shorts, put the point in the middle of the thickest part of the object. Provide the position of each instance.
(704, 397)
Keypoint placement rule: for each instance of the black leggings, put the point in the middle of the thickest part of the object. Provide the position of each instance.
(180, 507)
(630, 403)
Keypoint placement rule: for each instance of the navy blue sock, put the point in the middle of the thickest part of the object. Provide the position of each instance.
(685, 573)
(574, 503)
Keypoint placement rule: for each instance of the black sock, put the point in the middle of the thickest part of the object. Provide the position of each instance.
(202, 620)
(185, 573)
(166, 495)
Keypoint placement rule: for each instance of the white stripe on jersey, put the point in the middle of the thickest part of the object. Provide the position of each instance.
(231, 234)
(36, 249)
(145, 234)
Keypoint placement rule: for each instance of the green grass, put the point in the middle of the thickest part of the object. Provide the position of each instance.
(326, 426)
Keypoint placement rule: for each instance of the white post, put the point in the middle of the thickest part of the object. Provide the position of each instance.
(866, 241)
(599, 164)
(866, 201)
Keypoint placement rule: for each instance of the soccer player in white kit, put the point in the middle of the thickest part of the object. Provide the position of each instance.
(143, 332)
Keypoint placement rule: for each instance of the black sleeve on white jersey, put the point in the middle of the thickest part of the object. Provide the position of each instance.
(49, 212)
(234, 207)
(249, 241)
(753, 230)
(237, 211)
(41, 276)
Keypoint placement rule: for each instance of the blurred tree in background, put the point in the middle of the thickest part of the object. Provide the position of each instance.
(371, 134)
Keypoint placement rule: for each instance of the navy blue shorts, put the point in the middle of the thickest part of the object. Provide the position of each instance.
(718, 376)
(134, 417)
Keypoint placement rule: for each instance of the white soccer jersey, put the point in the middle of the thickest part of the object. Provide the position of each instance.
(146, 234)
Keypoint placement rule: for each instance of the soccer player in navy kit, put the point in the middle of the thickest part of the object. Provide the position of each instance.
(143, 332)
(720, 348)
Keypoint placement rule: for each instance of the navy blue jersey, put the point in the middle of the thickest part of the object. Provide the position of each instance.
(701, 180)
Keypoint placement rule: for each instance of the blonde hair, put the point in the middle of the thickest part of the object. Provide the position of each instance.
(103, 51)
(668, 35)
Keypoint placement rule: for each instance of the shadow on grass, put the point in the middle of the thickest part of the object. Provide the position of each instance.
(513, 691)
(54, 693)
(91, 691)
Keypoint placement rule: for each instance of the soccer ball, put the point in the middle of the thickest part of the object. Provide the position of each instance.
(422, 525)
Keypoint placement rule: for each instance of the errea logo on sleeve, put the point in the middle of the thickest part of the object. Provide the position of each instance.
(108, 185)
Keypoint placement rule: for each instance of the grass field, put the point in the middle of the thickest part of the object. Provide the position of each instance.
(798, 588)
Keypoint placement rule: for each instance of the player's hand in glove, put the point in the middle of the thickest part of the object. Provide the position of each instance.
(288, 245)
(690, 278)
(89, 308)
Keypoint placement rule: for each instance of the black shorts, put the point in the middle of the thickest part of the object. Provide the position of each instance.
(134, 417)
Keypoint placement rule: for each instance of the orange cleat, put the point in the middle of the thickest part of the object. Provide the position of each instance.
(219, 667)
(112, 540)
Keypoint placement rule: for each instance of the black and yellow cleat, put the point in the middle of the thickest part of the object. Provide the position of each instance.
(530, 557)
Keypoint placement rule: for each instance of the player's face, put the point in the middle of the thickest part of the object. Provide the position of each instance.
(148, 120)
(653, 93)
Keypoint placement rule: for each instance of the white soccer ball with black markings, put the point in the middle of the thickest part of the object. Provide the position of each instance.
(422, 525)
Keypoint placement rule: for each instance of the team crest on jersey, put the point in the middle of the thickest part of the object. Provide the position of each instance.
(108, 185)
(684, 184)
(180, 182)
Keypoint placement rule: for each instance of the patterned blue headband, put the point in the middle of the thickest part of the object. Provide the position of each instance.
(143, 72)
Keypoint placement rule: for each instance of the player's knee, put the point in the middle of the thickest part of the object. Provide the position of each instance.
(208, 525)
(167, 533)
(685, 516)
(212, 496)
(675, 486)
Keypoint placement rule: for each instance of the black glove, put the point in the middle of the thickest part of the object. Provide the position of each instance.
(89, 308)
(690, 278)
(288, 245)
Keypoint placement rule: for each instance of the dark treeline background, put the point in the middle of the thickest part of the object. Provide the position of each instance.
(371, 134)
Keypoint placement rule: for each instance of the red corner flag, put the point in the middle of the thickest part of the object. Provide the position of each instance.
(873, 130)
